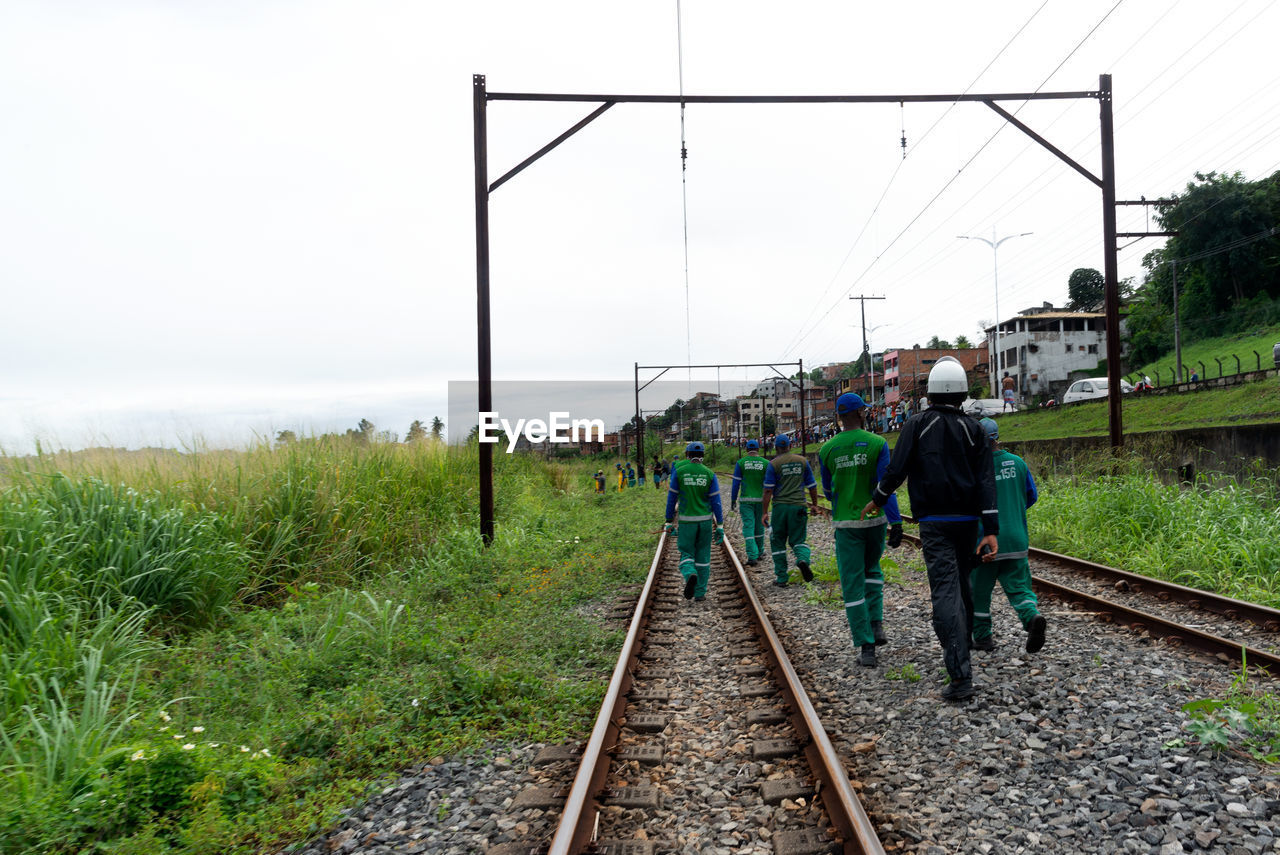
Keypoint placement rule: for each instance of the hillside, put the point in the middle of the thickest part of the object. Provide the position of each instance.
(1226, 348)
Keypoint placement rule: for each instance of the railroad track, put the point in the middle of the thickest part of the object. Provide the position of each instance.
(706, 736)
(1241, 632)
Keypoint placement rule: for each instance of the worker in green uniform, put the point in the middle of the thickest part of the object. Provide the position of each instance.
(697, 492)
(785, 479)
(631, 475)
(852, 463)
(1015, 492)
(748, 478)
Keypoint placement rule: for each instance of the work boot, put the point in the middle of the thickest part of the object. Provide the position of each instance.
(987, 643)
(778, 584)
(752, 562)
(877, 632)
(699, 599)
(805, 571)
(958, 690)
(1035, 634)
(690, 583)
(868, 657)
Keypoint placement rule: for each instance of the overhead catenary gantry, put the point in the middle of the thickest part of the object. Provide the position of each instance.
(639, 422)
(481, 97)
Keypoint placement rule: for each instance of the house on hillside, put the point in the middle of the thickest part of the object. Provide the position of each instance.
(1044, 349)
(906, 371)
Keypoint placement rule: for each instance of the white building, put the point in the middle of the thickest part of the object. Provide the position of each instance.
(1044, 349)
(774, 387)
(751, 413)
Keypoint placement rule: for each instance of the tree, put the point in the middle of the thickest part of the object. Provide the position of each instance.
(1223, 261)
(363, 432)
(285, 437)
(962, 341)
(1086, 290)
(936, 343)
(417, 432)
(437, 428)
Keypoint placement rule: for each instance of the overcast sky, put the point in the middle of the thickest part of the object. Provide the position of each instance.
(222, 219)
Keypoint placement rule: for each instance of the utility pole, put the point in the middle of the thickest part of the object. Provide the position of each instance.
(865, 350)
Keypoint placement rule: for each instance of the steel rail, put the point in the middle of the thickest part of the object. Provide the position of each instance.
(841, 802)
(1262, 616)
(576, 822)
(1159, 627)
(1154, 625)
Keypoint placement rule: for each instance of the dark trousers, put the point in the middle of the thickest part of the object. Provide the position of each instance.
(948, 551)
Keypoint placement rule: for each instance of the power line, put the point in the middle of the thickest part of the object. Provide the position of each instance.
(684, 192)
(893, 176)
(1029, 192)
(970, 161)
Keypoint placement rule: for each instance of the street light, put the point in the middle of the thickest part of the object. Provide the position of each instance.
(995, 275)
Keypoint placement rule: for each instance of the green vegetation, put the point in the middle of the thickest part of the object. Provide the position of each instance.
(907, 673)
(1255, 403)
(1249, 345)
(1222, 259)
(1245, 719)
(1219, 536)
(216, 652)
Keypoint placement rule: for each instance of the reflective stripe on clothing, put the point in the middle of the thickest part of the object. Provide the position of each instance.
(684, 518)
(855, 603)
(867, 523)
(746, 499)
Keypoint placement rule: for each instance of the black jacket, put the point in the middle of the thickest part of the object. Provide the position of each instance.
(945, 458)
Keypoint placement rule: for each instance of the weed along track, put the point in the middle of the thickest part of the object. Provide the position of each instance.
(706, 741)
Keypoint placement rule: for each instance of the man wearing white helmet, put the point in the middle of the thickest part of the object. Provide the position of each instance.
(944, 457)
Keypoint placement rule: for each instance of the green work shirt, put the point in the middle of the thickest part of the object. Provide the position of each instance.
(788, 476)
(1015, 492)
(852, 462)
(748, 476)
(697, 492)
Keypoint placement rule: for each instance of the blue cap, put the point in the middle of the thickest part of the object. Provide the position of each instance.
(992, 429)
(694, 448)
(850, 402)
(752, 445)
(782, 441)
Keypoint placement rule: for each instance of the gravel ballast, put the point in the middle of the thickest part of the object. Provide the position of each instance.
(1078, 748)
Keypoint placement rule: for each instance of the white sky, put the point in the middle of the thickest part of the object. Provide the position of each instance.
(220, 219)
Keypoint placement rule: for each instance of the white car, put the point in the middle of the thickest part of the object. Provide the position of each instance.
(982, 407)
(1091, 387)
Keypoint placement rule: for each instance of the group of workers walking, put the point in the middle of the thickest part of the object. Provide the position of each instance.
(969, 496)
(627, 475)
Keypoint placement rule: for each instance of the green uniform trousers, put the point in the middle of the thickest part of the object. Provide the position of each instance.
(753, 528)
(693, 539)
(1014, 575)
(858, 552)
(790, 527)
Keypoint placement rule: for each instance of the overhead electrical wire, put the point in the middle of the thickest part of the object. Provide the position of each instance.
(1029, 193)
(684, 183)
(966, 164)
(893, 176)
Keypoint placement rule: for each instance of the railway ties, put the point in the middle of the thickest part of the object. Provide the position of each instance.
(706, 741)
(1232, 630)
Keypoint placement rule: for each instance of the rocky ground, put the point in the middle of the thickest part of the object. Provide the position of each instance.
(1079, 748)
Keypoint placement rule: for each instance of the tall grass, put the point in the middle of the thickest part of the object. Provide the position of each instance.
(106, 556)
(1216, 535)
